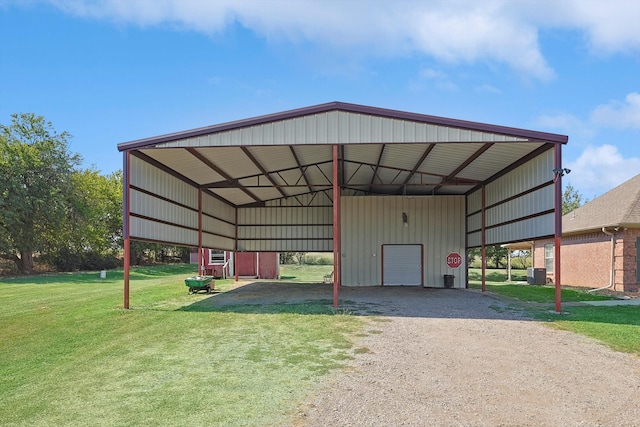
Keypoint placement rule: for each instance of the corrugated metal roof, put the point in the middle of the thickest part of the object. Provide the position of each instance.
(382, 151)
(619, 207)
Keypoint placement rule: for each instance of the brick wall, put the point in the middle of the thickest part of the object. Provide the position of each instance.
(586, 260)
(630, 277)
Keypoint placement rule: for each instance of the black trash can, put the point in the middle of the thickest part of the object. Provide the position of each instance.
(448, 280)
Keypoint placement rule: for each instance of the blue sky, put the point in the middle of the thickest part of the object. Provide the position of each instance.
(111, 71)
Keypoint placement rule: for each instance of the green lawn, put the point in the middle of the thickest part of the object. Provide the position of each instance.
(617, 326)
(70, 355)
(304, 273)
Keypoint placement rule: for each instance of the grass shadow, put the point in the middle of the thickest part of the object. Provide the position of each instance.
(281, 297)
(317, 298)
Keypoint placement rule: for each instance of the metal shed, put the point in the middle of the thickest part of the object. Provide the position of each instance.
(351, 179)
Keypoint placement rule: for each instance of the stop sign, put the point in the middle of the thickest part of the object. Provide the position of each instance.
(454, 260)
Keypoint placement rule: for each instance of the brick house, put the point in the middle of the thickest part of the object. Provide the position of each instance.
(600, 242)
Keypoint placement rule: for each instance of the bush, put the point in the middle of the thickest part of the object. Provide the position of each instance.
(65, 260)
(95, 261)
(318, 260)
(287, 257)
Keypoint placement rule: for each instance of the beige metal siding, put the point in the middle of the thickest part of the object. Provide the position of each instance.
(216, 226)
(155, 217)
(509, 200)
(474, 201)
(370, 222)
(474, 222)
(147, 229)
(538, 171)
(218, 208)
(533, 173)
(152, 207)
(528, 204)
(156, 181)
(525, 230)
(286, 228)
(474, 240)
(218, 242)
(339, 127)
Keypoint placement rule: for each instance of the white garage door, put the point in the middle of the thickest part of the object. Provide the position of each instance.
(402, 265)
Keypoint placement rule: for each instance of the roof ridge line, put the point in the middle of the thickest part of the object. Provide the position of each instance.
(531, 135)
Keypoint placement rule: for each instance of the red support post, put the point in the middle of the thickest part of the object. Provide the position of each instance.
(336, 228)
(125, 225)
(558, 224)
(484, 241)
(235, 258)
(127, 262)
(200, 255)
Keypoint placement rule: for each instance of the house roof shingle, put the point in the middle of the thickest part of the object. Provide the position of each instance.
(619, 207)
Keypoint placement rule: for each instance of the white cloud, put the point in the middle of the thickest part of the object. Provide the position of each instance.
(565, 123)
(464, 31)
(619, 114)
(610, 26)
(599, 169)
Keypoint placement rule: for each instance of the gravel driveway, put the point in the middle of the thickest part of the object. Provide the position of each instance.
(444, 357)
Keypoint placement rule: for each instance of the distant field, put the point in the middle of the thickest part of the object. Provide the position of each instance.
(304, 273)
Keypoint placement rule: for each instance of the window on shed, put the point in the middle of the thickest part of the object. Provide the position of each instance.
(548, 257)
(216, 257)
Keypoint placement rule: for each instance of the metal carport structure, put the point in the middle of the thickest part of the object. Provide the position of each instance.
(275, 183)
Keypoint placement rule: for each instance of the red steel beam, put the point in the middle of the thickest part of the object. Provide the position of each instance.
(558, 223)
(125, 225)
(200, 256)
(336, 228)
(484, 241)
(235, 258)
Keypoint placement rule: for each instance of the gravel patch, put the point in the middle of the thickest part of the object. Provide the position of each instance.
(446, 357)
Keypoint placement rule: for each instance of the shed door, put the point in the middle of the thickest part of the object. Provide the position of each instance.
(268, 265)
(246, 264)
(402, 265)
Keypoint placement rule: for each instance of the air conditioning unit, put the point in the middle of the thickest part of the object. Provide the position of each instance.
(536, 276)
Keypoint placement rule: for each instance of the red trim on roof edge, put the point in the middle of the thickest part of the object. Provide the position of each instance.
(342, 106)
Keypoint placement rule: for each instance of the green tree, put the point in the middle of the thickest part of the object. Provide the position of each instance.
(36, 176)
(571, 199)
(92, 234)
(496, 254)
